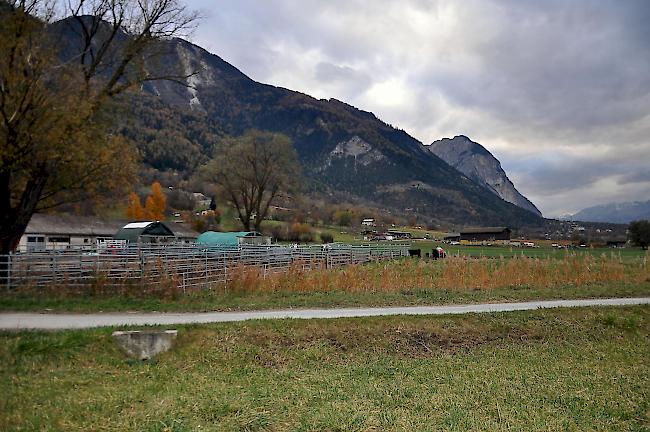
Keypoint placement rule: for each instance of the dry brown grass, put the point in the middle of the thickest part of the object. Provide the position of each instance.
(451, 273)
(387, 277)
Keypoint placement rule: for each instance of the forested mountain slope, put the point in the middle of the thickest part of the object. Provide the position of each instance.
(342, 148)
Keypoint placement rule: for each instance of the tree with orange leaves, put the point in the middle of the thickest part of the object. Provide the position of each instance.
(156, 203)
(134, 210)
(154, 208)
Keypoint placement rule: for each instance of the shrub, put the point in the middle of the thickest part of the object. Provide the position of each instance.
(301, 233)
(277, 232)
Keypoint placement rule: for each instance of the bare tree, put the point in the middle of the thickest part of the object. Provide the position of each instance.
(119, 38)
(54, 147)
(253, 171)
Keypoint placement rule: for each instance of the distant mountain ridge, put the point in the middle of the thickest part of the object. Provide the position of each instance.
(477, 163)
(341, 148)
(624, 212)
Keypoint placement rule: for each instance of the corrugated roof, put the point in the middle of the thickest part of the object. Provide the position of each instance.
(68, 224)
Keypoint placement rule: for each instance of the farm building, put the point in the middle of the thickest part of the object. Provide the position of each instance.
(485, 234)
(617, 243)
(183, 233)
(154, 232)
(399, 235)
(64, 231)
(232, 239)
(368, 222)
(450, 237)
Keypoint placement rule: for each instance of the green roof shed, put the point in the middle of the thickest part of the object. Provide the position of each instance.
(144, 231)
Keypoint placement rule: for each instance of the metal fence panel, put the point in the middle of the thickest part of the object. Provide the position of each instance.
(187, 266)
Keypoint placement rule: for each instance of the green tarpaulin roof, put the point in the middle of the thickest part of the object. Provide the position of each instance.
(224, 238)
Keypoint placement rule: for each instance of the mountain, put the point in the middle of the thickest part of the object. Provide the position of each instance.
(477, 163)
(342, 149)
(624, 212)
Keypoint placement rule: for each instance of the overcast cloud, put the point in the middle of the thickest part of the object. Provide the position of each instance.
(558, 91)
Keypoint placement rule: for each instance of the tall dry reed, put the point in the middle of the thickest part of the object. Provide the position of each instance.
(452, 273)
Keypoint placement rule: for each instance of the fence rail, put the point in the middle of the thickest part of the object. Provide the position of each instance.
(188, 267)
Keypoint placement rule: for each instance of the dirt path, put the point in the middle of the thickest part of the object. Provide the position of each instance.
(19, 320)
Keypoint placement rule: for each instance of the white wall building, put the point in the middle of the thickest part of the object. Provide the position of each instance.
(64, 231)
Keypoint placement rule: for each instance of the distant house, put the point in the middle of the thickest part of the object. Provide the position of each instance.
(154, 232)
(232, 239)
(399, 235)
(279, 209)
(368, 222)
(201, 200)
(485, 234)
(64, 231)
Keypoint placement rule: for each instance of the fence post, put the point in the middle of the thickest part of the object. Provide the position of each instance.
(54, 268)
(207, 278)
(142, 264)
(10, 263)
(225, 268)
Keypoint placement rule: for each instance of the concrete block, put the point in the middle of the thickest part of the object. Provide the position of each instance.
(144, 345)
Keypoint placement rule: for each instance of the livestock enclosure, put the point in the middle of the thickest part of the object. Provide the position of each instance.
(181, 266)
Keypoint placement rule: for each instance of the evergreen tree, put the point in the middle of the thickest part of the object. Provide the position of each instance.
(639, 233)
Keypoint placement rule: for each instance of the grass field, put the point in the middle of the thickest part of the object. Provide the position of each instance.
(228, 301)
(578, 369)
(541, 252)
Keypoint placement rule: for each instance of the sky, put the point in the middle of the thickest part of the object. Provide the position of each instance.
(557, 90)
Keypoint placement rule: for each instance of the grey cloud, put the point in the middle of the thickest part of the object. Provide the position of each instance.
(575, 172)
(639, 176)
(571, 183)
(328, 72)
(569, 174)
(352, 80)
(558, 64)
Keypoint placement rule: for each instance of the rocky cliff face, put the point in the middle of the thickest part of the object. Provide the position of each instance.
(477, 163)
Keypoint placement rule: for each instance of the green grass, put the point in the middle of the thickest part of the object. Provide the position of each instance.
(218, 300)
(626, 254)
(577, 369)
(342, 234)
